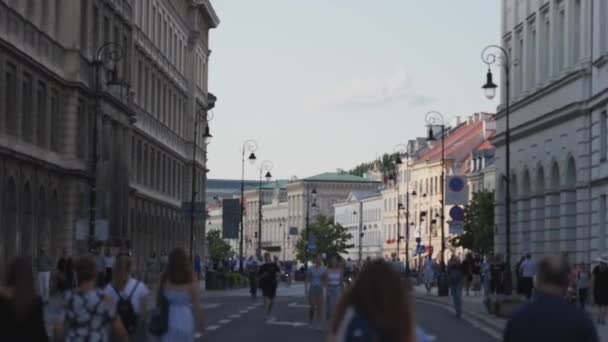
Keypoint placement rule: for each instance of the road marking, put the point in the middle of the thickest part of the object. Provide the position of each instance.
(284, 323)
(224, 321)
(465, 317)
(212, 327)
(235, 316)
(242, 312)
(296, 305)
(210, 305)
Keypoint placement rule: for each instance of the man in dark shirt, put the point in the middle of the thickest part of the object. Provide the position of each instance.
(549, 317)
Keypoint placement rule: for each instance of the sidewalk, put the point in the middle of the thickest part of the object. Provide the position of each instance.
(475, 311)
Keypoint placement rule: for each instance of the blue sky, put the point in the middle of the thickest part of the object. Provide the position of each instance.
(328, 84)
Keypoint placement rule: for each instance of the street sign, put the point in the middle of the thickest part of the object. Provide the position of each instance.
(457, 213)
(231, 218)
(101, 230)
(312, 242)
(456, 190)
(420, 249)
(456, 227)
(199, 211)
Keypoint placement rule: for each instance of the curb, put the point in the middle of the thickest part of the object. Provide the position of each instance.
(489, 324)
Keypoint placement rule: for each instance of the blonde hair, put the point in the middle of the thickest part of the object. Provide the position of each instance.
(122, 272)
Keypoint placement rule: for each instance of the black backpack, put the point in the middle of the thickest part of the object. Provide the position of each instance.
(126, 311)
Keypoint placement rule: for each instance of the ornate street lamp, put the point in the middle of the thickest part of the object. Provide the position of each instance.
(310, 194)
(434, 118)
(106, 58)
(208, 116)
(248, 146)
(494, 54)
(266, 165)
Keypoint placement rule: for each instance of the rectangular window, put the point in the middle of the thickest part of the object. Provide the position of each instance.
(603, 136)
(27, 123)
(544, 49)
(84, 25)
(55, 121)
(519, 80)
(560, 41)
(95, 27)
(576, 31)
(106, 29)
(81, 148)
(10, 98)
(602, 227)
(140, 81)
(146, 86)
(41, 128)
(531, 64)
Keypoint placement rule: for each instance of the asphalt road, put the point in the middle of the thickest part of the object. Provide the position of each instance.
(234, 317)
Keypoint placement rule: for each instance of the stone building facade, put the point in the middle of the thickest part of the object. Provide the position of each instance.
(285, 207)
(145, 139)
(347, 213)
(558, 122)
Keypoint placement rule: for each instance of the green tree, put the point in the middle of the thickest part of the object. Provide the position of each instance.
(386, 164)
(218, 248)
(331, 239)
(478, 233)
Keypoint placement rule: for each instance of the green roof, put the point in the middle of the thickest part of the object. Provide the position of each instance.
(338, 177)
(270, 185)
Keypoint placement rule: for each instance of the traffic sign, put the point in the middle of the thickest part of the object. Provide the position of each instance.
(457, 213)
(456, 190)
(456, 227)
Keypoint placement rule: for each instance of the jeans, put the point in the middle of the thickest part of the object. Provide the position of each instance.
(456, 292)
(43, 285)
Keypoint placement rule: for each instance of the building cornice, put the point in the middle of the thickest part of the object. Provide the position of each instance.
(207, 10)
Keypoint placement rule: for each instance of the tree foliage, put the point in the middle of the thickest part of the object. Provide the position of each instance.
(478, 233)
(218, 248)
(331, 239)
(386, 164)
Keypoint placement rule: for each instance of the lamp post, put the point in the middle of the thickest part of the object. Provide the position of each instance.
(265, 166)
(494, 54)
(309, 193)
(284, 226)
(359, 214)
(206, 140)
(433, 118)
(248, 146)
(107, 57)
(400, 149)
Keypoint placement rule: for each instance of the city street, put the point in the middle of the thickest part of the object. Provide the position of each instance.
(233, 316)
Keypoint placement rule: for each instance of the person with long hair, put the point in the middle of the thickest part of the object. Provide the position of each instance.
(335, 285)
(377, 307)
(269, 272)
(21, 309)
(130, 297)
(88, 314)
(314, 286)
(180, 288)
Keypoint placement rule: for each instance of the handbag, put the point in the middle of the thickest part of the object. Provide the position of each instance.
(159, 320)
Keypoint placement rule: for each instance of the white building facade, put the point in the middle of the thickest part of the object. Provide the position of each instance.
(366, 230)
(558, 122)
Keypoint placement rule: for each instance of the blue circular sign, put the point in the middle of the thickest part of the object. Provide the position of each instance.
(457, 213)
(456, 184)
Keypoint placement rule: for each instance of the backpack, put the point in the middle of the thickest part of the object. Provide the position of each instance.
(126, 311)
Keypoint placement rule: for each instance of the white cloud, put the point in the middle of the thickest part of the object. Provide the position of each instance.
(396, 86)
